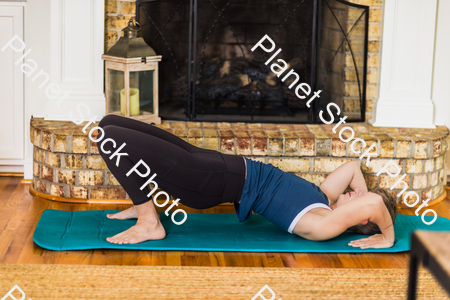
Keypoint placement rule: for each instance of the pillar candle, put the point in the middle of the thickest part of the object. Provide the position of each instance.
(134, 102)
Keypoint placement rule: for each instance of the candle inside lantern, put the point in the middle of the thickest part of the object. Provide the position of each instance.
(134, 102)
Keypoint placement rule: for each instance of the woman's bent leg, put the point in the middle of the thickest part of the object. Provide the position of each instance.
(197, 179)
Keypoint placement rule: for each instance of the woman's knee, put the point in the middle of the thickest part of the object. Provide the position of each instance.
(110, 120)
(109, 140)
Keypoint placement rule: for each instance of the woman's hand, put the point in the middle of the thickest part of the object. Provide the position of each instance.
(374, 241)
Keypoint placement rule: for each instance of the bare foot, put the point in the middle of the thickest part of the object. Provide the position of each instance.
(129, 213)
(141, 232)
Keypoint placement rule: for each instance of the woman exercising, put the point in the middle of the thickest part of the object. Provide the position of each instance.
(203, 178)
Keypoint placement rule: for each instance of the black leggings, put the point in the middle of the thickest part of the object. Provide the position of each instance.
(200, 178)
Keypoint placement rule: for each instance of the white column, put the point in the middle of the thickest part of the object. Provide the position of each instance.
(76, 47)
(406, 64)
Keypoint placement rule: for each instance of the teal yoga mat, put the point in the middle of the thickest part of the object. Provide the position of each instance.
(65, 230)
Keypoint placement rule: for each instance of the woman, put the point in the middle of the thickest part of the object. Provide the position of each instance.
(204, 178)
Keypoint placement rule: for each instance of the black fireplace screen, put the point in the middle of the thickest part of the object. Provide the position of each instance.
(210, 73)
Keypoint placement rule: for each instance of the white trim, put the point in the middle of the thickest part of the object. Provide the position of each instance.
(303, 212)
(14, 168)
(11, 162)
(13, 4)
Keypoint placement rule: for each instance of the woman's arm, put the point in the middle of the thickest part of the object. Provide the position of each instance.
(349, 174)
(367, 207)
(384, 240)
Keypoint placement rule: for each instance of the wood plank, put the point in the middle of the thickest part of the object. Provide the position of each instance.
(8, 190)
(301, 260)
(347, 260)
(11, 214)
(3, 182)
(31, 253)
(217, 259)
(325, 260)
(274, 260)
(195, 258)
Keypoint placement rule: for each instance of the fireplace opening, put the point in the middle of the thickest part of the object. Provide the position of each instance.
(209, 73)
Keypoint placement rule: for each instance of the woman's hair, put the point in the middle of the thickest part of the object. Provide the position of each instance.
(371, 227)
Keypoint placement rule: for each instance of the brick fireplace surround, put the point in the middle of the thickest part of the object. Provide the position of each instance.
(67, 165)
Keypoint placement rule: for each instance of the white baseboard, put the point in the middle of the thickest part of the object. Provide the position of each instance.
(24, 166)
(14, 169)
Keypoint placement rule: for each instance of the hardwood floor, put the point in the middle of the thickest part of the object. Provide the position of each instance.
(20, 212)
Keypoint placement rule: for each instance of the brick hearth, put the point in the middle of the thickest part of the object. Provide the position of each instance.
(67, 164)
